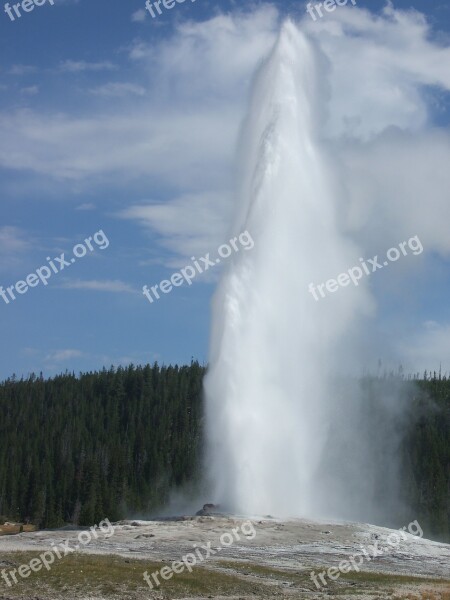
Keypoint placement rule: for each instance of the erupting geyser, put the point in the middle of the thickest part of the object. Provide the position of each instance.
(272, 346)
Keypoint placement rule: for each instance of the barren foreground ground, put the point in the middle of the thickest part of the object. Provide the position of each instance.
(274, 563)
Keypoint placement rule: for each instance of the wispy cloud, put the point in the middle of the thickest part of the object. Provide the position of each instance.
(22, 69)
(95, 285)
(12, 240)
(189, 224)
(77, 66)
(86, 206)
(427, 349)
(62, 355)
(138, 16)
(118, 89)
(32, 90)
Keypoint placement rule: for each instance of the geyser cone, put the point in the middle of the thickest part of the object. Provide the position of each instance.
(272, 344)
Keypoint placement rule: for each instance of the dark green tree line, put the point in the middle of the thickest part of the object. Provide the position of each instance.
(101, 445)
(118, 442)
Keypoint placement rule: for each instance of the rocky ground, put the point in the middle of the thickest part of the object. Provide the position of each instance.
(263, 558)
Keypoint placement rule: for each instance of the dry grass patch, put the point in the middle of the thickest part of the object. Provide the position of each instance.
(80, 575)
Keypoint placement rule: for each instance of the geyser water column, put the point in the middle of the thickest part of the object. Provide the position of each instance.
(272, 344)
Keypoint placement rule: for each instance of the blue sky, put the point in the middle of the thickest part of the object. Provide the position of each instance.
(113, 121)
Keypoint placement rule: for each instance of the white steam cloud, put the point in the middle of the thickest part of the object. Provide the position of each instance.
(266, 391)
(329, 173)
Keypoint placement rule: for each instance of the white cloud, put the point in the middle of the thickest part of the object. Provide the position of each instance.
(63, 355)
(169, 221)
(13, 240)
(376, 67)
(213, 59)
(198, 84)
(428, 349)
(86, 206)
(14, 244)
(114, 286)
(118, 89)
(74, 66)
(397, 187)
(138, 16)
(22, 69)
(173, 148)
(31, 90)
